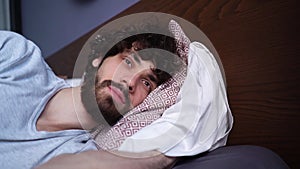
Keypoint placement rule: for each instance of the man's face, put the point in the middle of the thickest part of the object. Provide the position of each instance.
(123, 81)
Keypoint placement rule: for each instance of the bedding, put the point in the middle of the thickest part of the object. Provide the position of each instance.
(173, 120)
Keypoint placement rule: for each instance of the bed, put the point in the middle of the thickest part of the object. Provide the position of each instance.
(257, 42)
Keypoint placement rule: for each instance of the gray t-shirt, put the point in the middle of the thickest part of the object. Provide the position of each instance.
(26, 85)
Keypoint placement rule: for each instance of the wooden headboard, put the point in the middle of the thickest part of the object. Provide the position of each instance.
(258, 43)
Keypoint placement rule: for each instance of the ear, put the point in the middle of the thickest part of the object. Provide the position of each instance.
(96, 62)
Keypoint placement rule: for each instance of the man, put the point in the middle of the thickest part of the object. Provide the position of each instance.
(226, 157)
(40, 113)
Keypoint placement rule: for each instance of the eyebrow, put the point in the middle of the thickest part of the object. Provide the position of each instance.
(153, 77)
(136, 58)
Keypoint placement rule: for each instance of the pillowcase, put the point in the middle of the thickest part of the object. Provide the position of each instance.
(152, 107)
(199, 121)
(187, 115)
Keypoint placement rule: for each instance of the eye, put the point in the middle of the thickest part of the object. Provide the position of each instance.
(147, 85)
(127, 61)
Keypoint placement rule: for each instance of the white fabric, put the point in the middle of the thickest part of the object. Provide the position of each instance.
(201, 118)
(74, 82)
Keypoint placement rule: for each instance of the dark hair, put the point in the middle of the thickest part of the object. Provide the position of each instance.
(166, 59)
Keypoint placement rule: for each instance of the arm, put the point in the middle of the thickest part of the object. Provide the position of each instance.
(108, 160)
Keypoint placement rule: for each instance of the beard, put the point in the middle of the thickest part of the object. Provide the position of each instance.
(100, 104)
(105, 100)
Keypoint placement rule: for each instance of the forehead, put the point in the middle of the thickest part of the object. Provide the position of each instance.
(141, 61)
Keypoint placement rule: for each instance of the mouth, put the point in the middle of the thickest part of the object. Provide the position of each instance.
(117, 94)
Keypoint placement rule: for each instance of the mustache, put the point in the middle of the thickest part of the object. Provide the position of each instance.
(122, 88)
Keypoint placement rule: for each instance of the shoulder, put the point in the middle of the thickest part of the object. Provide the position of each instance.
(15, 47)
(10, 37)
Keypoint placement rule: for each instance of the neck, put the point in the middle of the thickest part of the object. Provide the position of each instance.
(65, 111)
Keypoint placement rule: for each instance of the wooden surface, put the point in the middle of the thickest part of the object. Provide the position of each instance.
(258, 43)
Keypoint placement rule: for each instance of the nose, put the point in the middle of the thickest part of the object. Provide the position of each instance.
(131, 82)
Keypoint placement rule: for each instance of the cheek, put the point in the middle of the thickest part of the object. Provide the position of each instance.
(138, 96)
(107, 72)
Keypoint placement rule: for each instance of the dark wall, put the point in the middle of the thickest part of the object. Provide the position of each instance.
(52, 24)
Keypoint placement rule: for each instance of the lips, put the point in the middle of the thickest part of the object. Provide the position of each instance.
(117, 94)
